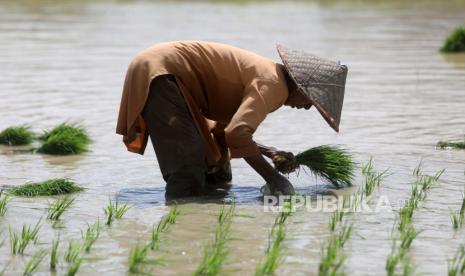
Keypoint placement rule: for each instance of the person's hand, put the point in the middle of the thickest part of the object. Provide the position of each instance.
(278, 186)
(284, 162)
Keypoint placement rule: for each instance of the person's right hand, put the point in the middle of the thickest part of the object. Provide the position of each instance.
(281, 186)
(284, 162)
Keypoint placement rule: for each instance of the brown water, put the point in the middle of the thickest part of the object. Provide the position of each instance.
(65, 61)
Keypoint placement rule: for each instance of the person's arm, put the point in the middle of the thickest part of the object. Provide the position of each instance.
(277, 182)
(284, 161)
(259, 99)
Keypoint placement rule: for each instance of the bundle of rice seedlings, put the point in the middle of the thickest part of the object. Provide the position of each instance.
(64, 139)
(57, 186)
(16, 136)
(451, 144)
(455, 42)
(331, 163)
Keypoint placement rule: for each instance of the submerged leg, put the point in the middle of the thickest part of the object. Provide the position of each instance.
(178, 146)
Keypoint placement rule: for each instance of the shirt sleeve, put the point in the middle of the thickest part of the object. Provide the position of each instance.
(260, 98)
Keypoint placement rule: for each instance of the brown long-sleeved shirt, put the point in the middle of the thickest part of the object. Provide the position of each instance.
(229, 92)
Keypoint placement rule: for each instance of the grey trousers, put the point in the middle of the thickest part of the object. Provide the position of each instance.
(178, 145)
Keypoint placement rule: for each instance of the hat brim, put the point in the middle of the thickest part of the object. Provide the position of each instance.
(284, 58)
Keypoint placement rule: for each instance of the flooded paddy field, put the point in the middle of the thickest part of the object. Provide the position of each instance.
(61, 60)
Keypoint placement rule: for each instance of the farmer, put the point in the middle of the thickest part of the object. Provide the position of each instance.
(201, 102)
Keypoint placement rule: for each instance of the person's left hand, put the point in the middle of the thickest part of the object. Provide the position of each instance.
(284, 162)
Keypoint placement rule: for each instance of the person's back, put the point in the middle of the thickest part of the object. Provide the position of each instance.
(217, 76)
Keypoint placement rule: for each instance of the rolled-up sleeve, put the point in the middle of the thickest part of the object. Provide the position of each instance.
(258, 101)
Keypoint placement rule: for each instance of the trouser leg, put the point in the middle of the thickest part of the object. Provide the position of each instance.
(178, 146)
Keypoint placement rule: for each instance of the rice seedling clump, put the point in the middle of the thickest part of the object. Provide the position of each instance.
(455, 42)
(65, 139)
(331, 163)
(451, 144)
(57, 186)
(16, 136)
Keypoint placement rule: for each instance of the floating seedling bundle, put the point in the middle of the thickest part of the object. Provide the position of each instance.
(331, 163)
(16, 136)
(455, 41)
(64, 139)
(451, 144)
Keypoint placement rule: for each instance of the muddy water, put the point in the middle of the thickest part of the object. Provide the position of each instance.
(65, 61)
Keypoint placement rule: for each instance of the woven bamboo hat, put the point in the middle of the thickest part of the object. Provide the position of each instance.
(320, 80)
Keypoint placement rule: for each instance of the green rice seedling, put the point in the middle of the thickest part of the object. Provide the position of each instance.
(91, 235)
(74, 267)
(332, 258)
(58, 207)
(455, 42)
(331, 163)
(4, 200)
(65, 139)
(458, 218)
(407, 267)
(54, 254)
(456, 266)
(344, 234)
(407, 236)
(273, 257)
(74, 252)
(214, 256)
(34, 262)
(163, 225)
(57, 186)
(335, 219)
(406, 215)
(19, 242)
(16, 136)
(114, 210)
(372, 179)
(138, 258)
(394, 258)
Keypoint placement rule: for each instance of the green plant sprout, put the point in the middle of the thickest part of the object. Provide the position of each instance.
(58, 207)
(19, 242)
(114, 210)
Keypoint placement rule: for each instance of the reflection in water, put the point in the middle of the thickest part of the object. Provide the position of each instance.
(66, 60)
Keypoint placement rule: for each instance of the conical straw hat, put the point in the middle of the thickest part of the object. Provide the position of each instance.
(321, 80)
